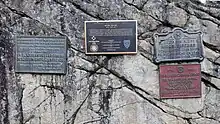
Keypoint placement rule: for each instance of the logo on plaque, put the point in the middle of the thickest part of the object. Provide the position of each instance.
(111, 37)
(94, 47)
(178, 45)
(180, 69)
(126, 43)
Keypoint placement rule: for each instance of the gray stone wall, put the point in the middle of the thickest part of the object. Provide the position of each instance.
(122, 89)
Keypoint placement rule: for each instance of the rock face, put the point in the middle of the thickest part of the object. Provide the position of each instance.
(121, 89)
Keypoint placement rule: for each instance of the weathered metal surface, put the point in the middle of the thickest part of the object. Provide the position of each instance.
(111, 37)
(41, 54)
(180, 81)
(178, 45)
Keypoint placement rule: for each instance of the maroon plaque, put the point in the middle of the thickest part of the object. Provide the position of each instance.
(180, 81)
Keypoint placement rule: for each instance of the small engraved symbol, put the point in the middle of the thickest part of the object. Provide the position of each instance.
(94, 47)
(93, 37)
(180, 69)
(127, 43)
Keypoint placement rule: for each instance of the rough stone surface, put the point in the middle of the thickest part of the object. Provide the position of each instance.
(122, 89)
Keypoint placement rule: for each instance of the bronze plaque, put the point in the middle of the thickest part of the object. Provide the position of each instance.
(178, 45)
(41, 54)
(111, 37)
(180, 81)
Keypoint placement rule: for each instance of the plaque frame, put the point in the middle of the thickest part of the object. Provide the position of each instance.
(41, 72)
(108, 53)
(157, 60)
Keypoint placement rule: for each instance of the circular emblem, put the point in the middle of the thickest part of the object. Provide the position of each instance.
(177, 34)
(180, 69)
(94, 47)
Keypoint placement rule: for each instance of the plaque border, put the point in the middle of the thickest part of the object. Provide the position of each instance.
(156, 35)
(183, 97)
(108, 53)
(41, 72)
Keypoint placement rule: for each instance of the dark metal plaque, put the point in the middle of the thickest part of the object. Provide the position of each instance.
(178, 45)
(39, 54)
(111, 37)
(180, 81)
